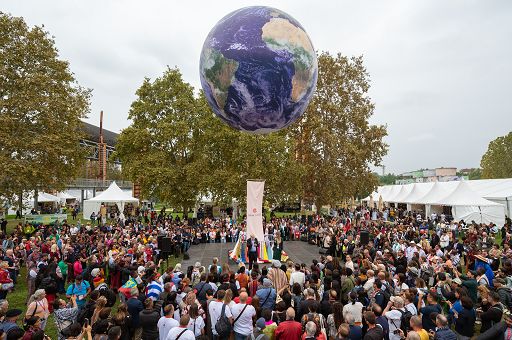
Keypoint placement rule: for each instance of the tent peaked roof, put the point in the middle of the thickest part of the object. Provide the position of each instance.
(404, 192)
(392, 193)
(463, 195)
(419, 190)
(438, 191)
(45, 197)
(113, 194)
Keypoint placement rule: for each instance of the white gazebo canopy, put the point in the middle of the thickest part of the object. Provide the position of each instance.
(113, 194)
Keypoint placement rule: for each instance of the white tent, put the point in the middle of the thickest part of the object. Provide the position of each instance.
(45, 197)
(469, 206)
(392, 193)
(418, 191)
(64, 196)
(113, 194)
(404, 192)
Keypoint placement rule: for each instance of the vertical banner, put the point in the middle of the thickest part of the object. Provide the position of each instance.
(255, 209)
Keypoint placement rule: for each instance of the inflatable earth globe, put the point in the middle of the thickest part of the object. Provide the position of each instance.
(258, 69)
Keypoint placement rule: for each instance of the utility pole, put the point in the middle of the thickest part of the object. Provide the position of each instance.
(383, 170)
(102, 153)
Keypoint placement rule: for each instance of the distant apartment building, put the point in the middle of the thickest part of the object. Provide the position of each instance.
(429, 175)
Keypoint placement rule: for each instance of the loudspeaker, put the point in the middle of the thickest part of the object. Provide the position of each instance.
(364, 237)
(303, 219)
(323, 251)
(186, 256)
(159, 241)
(166, 245)
(310, 219)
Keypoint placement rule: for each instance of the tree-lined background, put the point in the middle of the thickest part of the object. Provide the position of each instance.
(178, 150)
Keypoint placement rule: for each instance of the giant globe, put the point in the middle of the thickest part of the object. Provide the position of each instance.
(258, 69)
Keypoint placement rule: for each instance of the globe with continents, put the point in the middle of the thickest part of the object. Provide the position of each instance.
(258, 69)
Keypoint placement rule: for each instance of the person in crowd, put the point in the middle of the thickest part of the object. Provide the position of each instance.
(166, 322)
(181, 332)
(64, 314)
(244, 315)
(38, 307)
(289, 329)
(406, 276)
(267, 295)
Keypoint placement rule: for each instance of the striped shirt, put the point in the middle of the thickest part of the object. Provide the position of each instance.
(154, 289)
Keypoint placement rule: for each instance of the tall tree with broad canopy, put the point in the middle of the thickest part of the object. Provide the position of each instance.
(160, 150)
(496, 162)
(335, 142)
(41, 107)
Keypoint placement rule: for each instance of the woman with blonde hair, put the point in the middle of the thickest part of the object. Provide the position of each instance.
(38, 306)
(228, 298)
(6, 283)
(101, 302)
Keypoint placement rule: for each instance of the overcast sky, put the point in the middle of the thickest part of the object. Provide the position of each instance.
(441, 71)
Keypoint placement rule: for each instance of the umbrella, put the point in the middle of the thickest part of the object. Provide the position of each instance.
(381, 203)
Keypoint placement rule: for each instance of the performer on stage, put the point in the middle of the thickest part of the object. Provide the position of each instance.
(278, 246)
(252, 250)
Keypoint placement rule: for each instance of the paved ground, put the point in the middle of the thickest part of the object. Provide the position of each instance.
(298, 251)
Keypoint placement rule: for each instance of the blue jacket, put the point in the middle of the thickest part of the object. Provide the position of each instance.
(445, 334)
(265, 302)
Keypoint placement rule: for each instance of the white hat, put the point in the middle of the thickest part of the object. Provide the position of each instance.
(141, 269)
(95, 272)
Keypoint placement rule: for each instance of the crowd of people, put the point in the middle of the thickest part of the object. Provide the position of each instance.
(411, 279)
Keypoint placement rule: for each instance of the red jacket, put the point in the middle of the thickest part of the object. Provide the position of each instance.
(4, 276)
(289, 330)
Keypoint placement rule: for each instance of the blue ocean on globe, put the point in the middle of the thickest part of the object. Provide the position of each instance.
(258, 69)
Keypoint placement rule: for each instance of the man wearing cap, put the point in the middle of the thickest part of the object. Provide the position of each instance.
(393, 313)
(469, 282)
(11, 317)
(410, 250)
(258, 334)
(267, 295)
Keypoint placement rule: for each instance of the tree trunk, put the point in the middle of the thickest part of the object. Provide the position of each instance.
(20, 202)
(36, 202)
(185, 213)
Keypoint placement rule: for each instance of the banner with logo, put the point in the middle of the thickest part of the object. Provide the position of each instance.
(47, 219)
(254, 209)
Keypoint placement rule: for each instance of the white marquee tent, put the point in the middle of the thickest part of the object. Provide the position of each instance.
(433, 196)
(113, 194)
(467, 205)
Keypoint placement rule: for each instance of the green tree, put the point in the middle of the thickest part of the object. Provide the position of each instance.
(387, 179)
(232, 157)
(41, 107)
(475, 174)
(160, 149)
(335, 142)
(496, 162)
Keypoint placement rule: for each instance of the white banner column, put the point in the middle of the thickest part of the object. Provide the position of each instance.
(255, 210)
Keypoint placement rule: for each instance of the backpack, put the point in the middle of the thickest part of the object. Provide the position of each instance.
(223, 326)
(405, 320)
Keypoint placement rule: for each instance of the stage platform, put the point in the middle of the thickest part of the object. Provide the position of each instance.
(298, 251)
